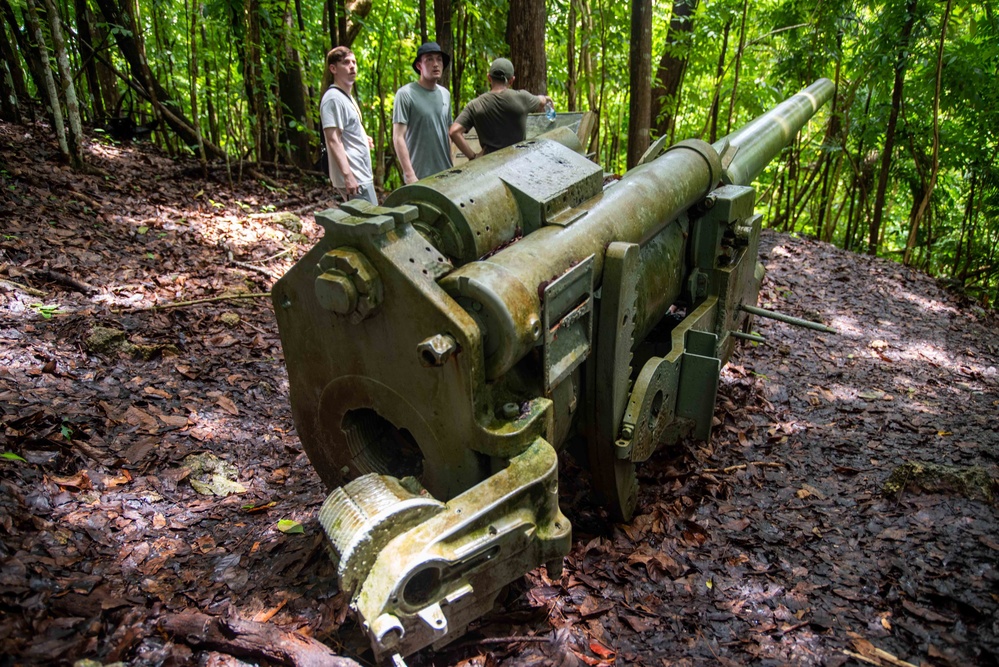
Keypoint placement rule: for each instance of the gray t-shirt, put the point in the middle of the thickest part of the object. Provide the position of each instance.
(500, 119)
(337, 110)
(427, 117)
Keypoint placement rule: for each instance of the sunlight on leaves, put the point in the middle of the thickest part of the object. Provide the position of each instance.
(290, 527)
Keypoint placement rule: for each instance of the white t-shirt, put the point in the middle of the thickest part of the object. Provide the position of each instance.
(337, 110)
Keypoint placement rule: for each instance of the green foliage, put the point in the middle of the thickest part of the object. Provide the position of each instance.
(824, 186)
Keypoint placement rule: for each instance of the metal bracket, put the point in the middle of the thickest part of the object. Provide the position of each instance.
(567, 318)
(699, 370)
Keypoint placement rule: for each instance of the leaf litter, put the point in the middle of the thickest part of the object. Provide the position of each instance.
(776, 543)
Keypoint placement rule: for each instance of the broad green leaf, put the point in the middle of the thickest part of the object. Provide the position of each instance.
(290, 527)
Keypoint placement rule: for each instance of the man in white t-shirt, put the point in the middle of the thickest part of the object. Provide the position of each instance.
(348, 145)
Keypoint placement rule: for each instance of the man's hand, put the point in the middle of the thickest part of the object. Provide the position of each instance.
(351, 185)
(409, 176)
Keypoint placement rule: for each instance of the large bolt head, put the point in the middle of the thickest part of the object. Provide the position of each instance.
(436, 350)
(336, 293)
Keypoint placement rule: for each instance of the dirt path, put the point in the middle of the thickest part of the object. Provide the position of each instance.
(775, 544)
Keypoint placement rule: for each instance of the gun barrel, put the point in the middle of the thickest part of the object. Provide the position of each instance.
(759, 142)
(503, 292)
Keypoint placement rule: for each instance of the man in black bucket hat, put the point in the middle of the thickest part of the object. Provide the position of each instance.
(430, 47)
(421, 117)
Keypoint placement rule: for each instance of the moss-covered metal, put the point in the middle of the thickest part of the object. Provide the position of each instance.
(443, 347)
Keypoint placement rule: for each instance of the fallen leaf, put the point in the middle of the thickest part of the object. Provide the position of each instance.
(174, 420)
(924, 613)
(601, 650)
(78, 481)
(226, 404)
(259, 508)
(290, 527)
(637, 624)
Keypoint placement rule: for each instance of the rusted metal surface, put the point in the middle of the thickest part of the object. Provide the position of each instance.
(442, 348)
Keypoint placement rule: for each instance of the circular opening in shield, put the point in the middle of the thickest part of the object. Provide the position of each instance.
(376, 445)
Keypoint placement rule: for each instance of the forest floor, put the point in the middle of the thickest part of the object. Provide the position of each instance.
(810, 531)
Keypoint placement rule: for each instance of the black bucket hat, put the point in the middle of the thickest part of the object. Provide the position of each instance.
(430, 47)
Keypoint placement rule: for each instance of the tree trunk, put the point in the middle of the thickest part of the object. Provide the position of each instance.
(832, 138)
(640, 99)
(68, 89)
(192, 79)
(12, 89)
(294, 105)
(55, 110)
(902, 56)
(601, 116)
(935, 167)
(672, 65)
(85, 38)
(969, 207)
(332, 21)
(254, 84)
(525, 35)
(210, 88)
(9, 109)
(31, 57)
(341, 23)
(738, 64)
(719, 77)
(382, 133)
(15, 90)
(442, 21)
(355, 11)
(570, 57)
(463, 22)
(423, 22)
(586, 57)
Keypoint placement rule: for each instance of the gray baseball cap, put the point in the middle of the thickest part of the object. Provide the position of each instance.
(501, 69)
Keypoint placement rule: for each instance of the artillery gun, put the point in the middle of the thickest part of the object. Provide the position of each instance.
(442, 348)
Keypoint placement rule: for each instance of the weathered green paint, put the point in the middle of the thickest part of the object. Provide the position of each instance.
(459, 334)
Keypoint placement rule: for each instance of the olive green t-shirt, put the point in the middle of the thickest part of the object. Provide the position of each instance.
(500, 119)
(427, 117)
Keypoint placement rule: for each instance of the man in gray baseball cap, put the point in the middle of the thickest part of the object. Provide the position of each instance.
(499, 116)
(421, 116)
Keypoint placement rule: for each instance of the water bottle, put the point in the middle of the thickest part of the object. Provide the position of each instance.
(550, 112)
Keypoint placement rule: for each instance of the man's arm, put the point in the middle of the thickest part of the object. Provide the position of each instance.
(457, 134)
(542, 101)
(336, 150)
(402, 152)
